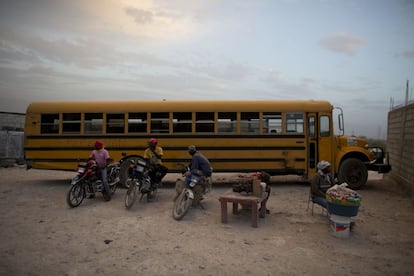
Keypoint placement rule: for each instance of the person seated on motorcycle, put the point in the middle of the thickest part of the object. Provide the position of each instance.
(200, 163)
(102, 159)
(153, 155)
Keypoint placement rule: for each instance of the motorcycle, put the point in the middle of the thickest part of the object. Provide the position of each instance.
(87, 182)
(140, 181)
(190, 192)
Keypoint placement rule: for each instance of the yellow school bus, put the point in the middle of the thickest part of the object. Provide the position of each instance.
(279, 137)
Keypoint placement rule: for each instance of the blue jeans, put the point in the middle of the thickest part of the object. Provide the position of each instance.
(320, 201)
(104, 177)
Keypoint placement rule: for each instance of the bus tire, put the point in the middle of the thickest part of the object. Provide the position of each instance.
(124, 170)
(353, 172)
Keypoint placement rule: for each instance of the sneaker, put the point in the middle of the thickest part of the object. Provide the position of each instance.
(107, 198)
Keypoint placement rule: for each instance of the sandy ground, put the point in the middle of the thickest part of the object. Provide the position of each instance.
(41, 235)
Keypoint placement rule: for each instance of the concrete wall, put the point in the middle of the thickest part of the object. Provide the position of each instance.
(11, 138)
(400, 145)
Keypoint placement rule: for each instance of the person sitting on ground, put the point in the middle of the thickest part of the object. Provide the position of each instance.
(321, 182)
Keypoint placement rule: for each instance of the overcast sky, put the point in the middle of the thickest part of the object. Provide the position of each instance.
(357, 54)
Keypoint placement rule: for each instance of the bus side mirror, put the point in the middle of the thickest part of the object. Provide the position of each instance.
(341, 120)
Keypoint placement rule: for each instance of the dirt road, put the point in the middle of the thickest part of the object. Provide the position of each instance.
(41, 235)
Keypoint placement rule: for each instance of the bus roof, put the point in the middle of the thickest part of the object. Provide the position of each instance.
(180, 106)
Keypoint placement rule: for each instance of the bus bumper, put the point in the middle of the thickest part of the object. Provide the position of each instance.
(380, 168)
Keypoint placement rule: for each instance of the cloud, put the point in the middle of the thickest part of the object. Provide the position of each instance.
(140, 16)
(81, 53)
(342, 43)
(35, 48)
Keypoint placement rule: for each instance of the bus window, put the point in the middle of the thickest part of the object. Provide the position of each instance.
(272, 122)
(137, 122)
(227, 122)
(182, 122)
(49, 123)
(324, 126)
(249, 122)
(160, 122)
(294, 122)
(115, 123)
(71, 123)
(93, 123)
(205, 122)
(311, 122)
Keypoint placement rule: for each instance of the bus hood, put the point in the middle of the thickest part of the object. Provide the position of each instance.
(352, 141)
(355, 144)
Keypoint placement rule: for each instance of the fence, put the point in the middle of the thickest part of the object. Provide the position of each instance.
(400, 145)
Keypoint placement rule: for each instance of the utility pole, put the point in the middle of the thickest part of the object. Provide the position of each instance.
(406, 94)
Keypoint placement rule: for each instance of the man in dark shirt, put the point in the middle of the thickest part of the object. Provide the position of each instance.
(199, 161)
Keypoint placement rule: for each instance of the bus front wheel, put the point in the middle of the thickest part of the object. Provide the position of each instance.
(353, 172)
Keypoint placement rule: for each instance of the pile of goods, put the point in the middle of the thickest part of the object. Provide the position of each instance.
(252, 184)
(245, 183)
(343, 201)
(340, 194)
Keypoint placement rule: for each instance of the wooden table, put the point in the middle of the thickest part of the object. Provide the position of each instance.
(240, 198)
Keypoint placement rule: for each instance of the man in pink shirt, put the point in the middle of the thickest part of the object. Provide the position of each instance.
(101, 156)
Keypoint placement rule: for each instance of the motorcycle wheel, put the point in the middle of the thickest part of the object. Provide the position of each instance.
(131, 195)
(113, 175)
(75, 195)
(112, 188)
(181, 205)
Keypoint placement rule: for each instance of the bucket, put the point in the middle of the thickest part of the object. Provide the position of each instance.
(340, 226)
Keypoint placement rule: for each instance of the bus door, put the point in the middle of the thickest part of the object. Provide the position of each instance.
(312, 143)
(319, 140)
(325, 137)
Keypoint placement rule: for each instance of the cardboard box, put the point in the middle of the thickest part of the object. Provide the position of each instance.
(257, 187)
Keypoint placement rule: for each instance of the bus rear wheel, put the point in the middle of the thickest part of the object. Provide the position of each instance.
(353, 172)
